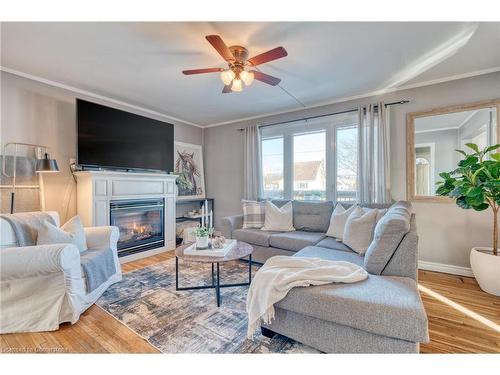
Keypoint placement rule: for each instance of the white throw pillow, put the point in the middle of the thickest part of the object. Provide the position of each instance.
(358, 230)
(278, 219)
(380, 213)
(71, 232)
(338, 220)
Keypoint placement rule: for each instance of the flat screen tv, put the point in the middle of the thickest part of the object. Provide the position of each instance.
(111, 138)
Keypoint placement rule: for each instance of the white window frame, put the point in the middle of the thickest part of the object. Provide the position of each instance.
(288, 130)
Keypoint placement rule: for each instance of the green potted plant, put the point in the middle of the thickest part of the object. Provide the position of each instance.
(202, 234)
(475, 184)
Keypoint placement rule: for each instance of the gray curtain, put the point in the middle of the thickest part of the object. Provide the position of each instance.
(373, 158)
(251, 166)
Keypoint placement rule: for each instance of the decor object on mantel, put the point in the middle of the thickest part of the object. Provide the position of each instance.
(43, 164)
(238, 63)
(189, 167)
(475, 184)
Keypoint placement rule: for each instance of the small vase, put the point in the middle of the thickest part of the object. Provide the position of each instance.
(202, 242)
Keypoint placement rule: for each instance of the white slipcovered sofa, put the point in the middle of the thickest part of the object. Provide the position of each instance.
(43, 286)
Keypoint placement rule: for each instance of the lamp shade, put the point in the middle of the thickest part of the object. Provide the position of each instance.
(247, 77)
(237, 85)
(227, 76)
(46, 165)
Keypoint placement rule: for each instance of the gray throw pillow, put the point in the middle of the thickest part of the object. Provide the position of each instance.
(72, 232)
(388, 234)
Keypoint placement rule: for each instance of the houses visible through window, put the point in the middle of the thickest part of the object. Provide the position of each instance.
(311, 160)
(272, 167)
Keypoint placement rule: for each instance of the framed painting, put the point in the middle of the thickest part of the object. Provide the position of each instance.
(189, 167)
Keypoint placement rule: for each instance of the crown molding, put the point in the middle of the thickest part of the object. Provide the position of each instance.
(298, 110)
(95, 96)
(365, 95)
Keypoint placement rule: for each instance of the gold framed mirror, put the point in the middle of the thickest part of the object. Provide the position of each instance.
(433, 136)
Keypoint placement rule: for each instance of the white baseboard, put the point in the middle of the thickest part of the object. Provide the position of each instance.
(445, 268)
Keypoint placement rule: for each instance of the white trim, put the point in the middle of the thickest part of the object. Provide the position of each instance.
(94, 95)
(445, 268)
(366, 95)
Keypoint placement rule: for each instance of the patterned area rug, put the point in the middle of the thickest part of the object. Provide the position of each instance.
(189, 321)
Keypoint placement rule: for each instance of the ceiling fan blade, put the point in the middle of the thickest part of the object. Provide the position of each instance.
(217, 42)
(266, 78)
(227, 89)
(200, 71)
(274, 54)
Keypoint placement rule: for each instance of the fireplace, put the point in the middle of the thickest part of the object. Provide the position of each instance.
(141, 224)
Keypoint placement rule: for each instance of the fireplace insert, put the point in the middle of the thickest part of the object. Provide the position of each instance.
(141, 224)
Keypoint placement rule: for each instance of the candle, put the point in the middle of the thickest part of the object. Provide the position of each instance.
(211, 219)
(203, 215)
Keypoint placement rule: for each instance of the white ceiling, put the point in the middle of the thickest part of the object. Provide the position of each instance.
(448, 121)
(141, 63)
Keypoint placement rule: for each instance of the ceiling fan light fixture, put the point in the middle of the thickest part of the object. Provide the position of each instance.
(237, 85)
(247, 77)
(227, 76)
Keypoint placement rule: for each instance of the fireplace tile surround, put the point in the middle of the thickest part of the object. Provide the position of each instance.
(141, 205)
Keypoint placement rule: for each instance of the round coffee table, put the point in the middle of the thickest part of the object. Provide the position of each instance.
(240, 251)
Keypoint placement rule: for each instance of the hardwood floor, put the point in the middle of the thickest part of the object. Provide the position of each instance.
(462, 319)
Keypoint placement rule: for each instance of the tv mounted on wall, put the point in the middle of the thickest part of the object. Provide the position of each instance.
(111, 138)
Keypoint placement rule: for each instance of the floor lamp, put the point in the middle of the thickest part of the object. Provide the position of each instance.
(43, 165)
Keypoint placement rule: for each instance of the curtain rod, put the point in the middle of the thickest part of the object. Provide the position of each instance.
(325, 115)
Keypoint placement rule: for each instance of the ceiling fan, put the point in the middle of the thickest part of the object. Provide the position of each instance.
(239, 65)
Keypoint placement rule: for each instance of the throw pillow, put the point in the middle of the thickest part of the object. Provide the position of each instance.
(388, 234)
(254, 214)
(338, 220)
(380, 212)
(279, 219)
(358, 231)
(71, 232)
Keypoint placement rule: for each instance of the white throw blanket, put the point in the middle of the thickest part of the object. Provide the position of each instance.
(279, 274)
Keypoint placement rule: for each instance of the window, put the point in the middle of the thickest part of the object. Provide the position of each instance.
(272, 167)
(347, 163)
(311, 160)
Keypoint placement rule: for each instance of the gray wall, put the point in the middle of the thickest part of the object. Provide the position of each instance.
(446, 232)
(33, 112)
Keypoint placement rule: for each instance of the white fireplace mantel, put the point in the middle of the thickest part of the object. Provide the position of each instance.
(96, 189)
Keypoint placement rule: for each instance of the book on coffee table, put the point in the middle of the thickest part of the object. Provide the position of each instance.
(213, 252)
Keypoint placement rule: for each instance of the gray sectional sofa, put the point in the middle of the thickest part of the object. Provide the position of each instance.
(382, 314)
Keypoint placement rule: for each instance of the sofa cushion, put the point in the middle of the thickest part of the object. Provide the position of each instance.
(330, 254)
(388, 234)
(312, 216)
(383, 305)
(253, 236)
(295, 241)
(332, 243)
